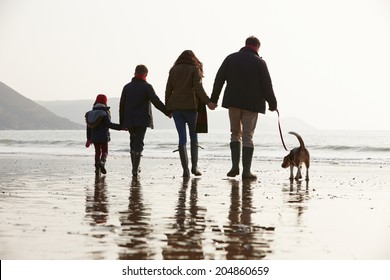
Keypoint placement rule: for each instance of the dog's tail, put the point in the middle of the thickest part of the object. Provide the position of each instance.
(301, 143)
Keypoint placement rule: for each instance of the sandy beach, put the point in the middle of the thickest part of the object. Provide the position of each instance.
(51, 207)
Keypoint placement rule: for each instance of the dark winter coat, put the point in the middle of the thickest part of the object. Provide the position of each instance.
(98, 123)
(135, 108)
(184, 88)
(248, 83)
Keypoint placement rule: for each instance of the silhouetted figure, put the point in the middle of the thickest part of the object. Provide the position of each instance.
(98, 124)
(248, 88)
(135, 113)
(183, 94)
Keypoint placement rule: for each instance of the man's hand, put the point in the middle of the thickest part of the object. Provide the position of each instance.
(212, 105)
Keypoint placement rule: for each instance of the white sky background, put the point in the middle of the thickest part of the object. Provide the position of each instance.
(329, 60)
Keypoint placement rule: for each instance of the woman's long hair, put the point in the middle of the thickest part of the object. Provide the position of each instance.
(188, 57)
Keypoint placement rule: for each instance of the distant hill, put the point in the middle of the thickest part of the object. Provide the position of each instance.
(75, 111)
(18, 112)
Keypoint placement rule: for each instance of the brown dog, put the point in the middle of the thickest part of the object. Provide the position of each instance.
(297, 157)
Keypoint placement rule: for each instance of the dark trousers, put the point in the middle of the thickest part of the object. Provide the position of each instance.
(101, 151)
(137, 136)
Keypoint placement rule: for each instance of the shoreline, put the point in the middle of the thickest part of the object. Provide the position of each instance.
(53, 209)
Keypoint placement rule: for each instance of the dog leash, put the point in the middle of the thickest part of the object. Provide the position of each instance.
(280, 130)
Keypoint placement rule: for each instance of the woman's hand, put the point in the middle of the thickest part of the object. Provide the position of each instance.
(212, 105)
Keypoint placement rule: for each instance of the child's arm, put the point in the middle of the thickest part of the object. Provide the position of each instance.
(114, 126)
(88, 143)
(156, 101)
(109, 124)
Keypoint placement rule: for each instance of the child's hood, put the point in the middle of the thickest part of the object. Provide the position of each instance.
(94, 117)
(100, 106)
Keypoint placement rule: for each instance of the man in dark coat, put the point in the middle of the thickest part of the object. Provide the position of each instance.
(248, 87)
(135, 112)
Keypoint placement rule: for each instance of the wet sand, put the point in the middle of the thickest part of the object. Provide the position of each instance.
(52, 208)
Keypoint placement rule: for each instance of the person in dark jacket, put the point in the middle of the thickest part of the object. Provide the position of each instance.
(98, 123)
(183, 91)
(135, 112)
(248, 88)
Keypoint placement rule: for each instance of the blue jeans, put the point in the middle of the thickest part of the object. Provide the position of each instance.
(182, 118)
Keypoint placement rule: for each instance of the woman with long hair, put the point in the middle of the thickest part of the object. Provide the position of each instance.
(184, 90)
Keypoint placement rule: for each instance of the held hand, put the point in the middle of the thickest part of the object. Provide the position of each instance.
(88, 143)
(212, 105)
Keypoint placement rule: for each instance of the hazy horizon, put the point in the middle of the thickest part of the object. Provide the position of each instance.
(328, 60)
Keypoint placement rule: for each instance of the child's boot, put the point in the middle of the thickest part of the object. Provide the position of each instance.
(102, 166)
(97, 169)
(135, 161)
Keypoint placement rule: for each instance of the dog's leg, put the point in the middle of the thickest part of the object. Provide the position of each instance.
(291, 172)
(307, 173)
(307, 164)
(299, 174)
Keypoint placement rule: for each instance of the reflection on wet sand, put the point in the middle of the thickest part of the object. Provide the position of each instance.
(96, 206)
(97, 213)
(135, 226)
(234, 233)
(297, 198)
(185, 242)
(244, 239)
(51, 208)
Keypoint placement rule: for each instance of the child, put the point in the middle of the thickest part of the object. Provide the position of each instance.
(98, 123)
(135, 112)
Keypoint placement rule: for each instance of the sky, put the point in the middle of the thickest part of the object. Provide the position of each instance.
(329, 60)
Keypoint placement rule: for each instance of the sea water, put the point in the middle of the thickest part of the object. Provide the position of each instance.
(368, 147)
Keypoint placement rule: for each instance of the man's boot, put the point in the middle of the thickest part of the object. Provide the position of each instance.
(194, 159)
(235, 150)
(184, 160)
(135, 161)
(247, 154)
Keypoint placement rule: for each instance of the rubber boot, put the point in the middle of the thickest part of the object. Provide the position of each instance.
(102, 166)
(135, 161)
(184, 160)
(247, 154)
(194, 159)
(97, 169)
(235, 150)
